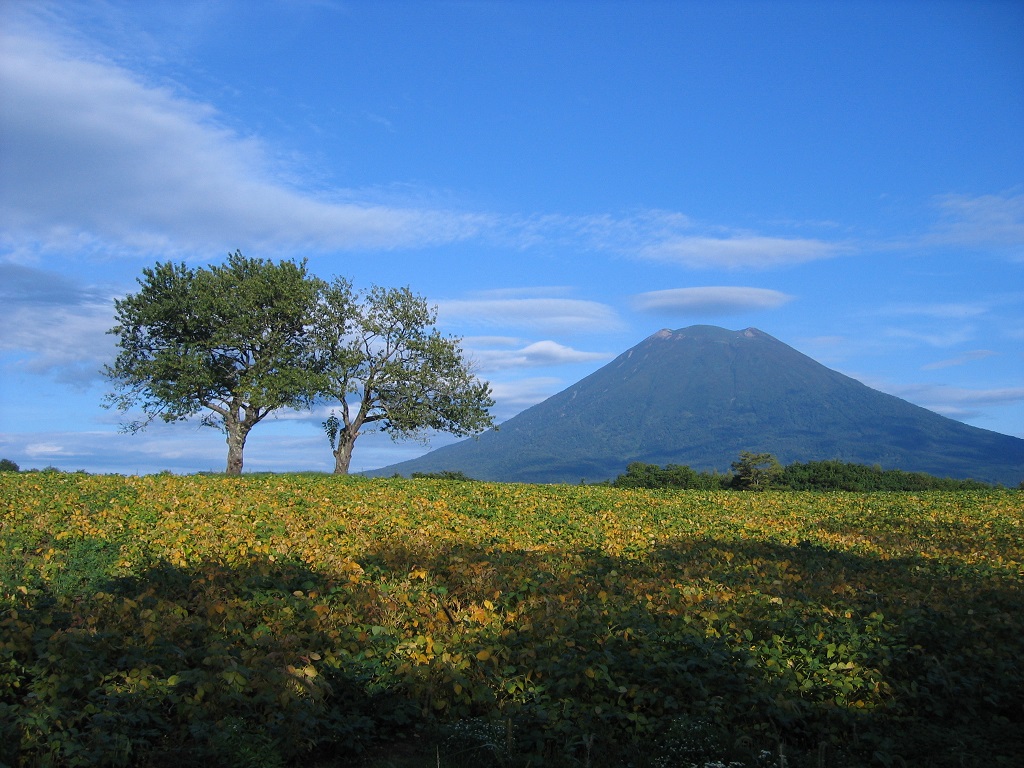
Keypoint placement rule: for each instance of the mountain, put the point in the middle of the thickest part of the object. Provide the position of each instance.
(700, 395)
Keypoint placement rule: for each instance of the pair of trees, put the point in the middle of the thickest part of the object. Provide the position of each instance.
(239, 341)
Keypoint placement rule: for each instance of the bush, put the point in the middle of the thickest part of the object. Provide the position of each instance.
(640, 475)
(447, 474)
(761, 471)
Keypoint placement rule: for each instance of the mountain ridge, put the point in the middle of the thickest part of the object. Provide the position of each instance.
(698, 396)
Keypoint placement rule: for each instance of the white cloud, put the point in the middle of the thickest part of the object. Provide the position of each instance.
(46, 450)
(738, 252)
(55, 325)
(540, 353)
(527, 292)
(948, 310)
(709, 300)
(967, 357)
(964, 396)
(672, 237)
(958, 402)
(983, 221)
(944, 338)
(70, 344)
(512, 397)
(552, 315)
(95, 157)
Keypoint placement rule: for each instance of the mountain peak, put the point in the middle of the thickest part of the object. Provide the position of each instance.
(698, 396)
(706, 332)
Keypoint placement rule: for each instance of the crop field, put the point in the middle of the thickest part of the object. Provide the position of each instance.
(289, 619)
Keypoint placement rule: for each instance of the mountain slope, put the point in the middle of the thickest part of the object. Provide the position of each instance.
(700, 395)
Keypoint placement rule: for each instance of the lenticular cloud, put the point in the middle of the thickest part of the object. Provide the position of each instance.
(709, 300)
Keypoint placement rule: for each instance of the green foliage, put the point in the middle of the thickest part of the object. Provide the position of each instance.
(460, 477)
(640, 475)
(228, 341)
(298, 620)
(6, 465)
(842, 476)
(755, 471)
(812, 476)
(241, 340)
(379, 356)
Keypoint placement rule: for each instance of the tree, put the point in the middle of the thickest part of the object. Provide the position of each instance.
(6, 465)
(755, 471)
(230, 340)
(380, 358)
(641, 475)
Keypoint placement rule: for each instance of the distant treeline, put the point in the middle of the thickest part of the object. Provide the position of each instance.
(812, 476)
(751, 472)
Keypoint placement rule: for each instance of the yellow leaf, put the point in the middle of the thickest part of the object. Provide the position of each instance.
(484, 655)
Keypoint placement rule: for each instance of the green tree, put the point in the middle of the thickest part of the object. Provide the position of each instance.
(382, 360)
(6, 465)
(229, 340)
(755, 471)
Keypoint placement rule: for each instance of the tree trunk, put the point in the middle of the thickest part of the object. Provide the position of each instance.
(343, 453)
(237, 432)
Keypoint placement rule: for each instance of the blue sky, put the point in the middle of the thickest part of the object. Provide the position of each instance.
(561, 179)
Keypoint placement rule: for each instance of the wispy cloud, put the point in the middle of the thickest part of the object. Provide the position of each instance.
(512, 397)
(942, 337)
(94, 156)
(47, 450)
(958, 402)
(938, 324)
(55, 325)
(739, 251)
(99, 160)
(983, 221)
(967, 357)
(69, 345)
(546, 314)
(31, 286)
(669, 236)
(709, 300)
(946, 311)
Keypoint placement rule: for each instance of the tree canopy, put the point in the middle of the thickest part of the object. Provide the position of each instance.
(238, 341)
(755, 471)
(383, 362)
(828, 475)
(229, 340)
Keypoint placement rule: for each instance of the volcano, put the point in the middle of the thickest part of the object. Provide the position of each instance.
(697, 397)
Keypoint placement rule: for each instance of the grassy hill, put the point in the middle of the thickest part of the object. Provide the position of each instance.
(284, 620)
